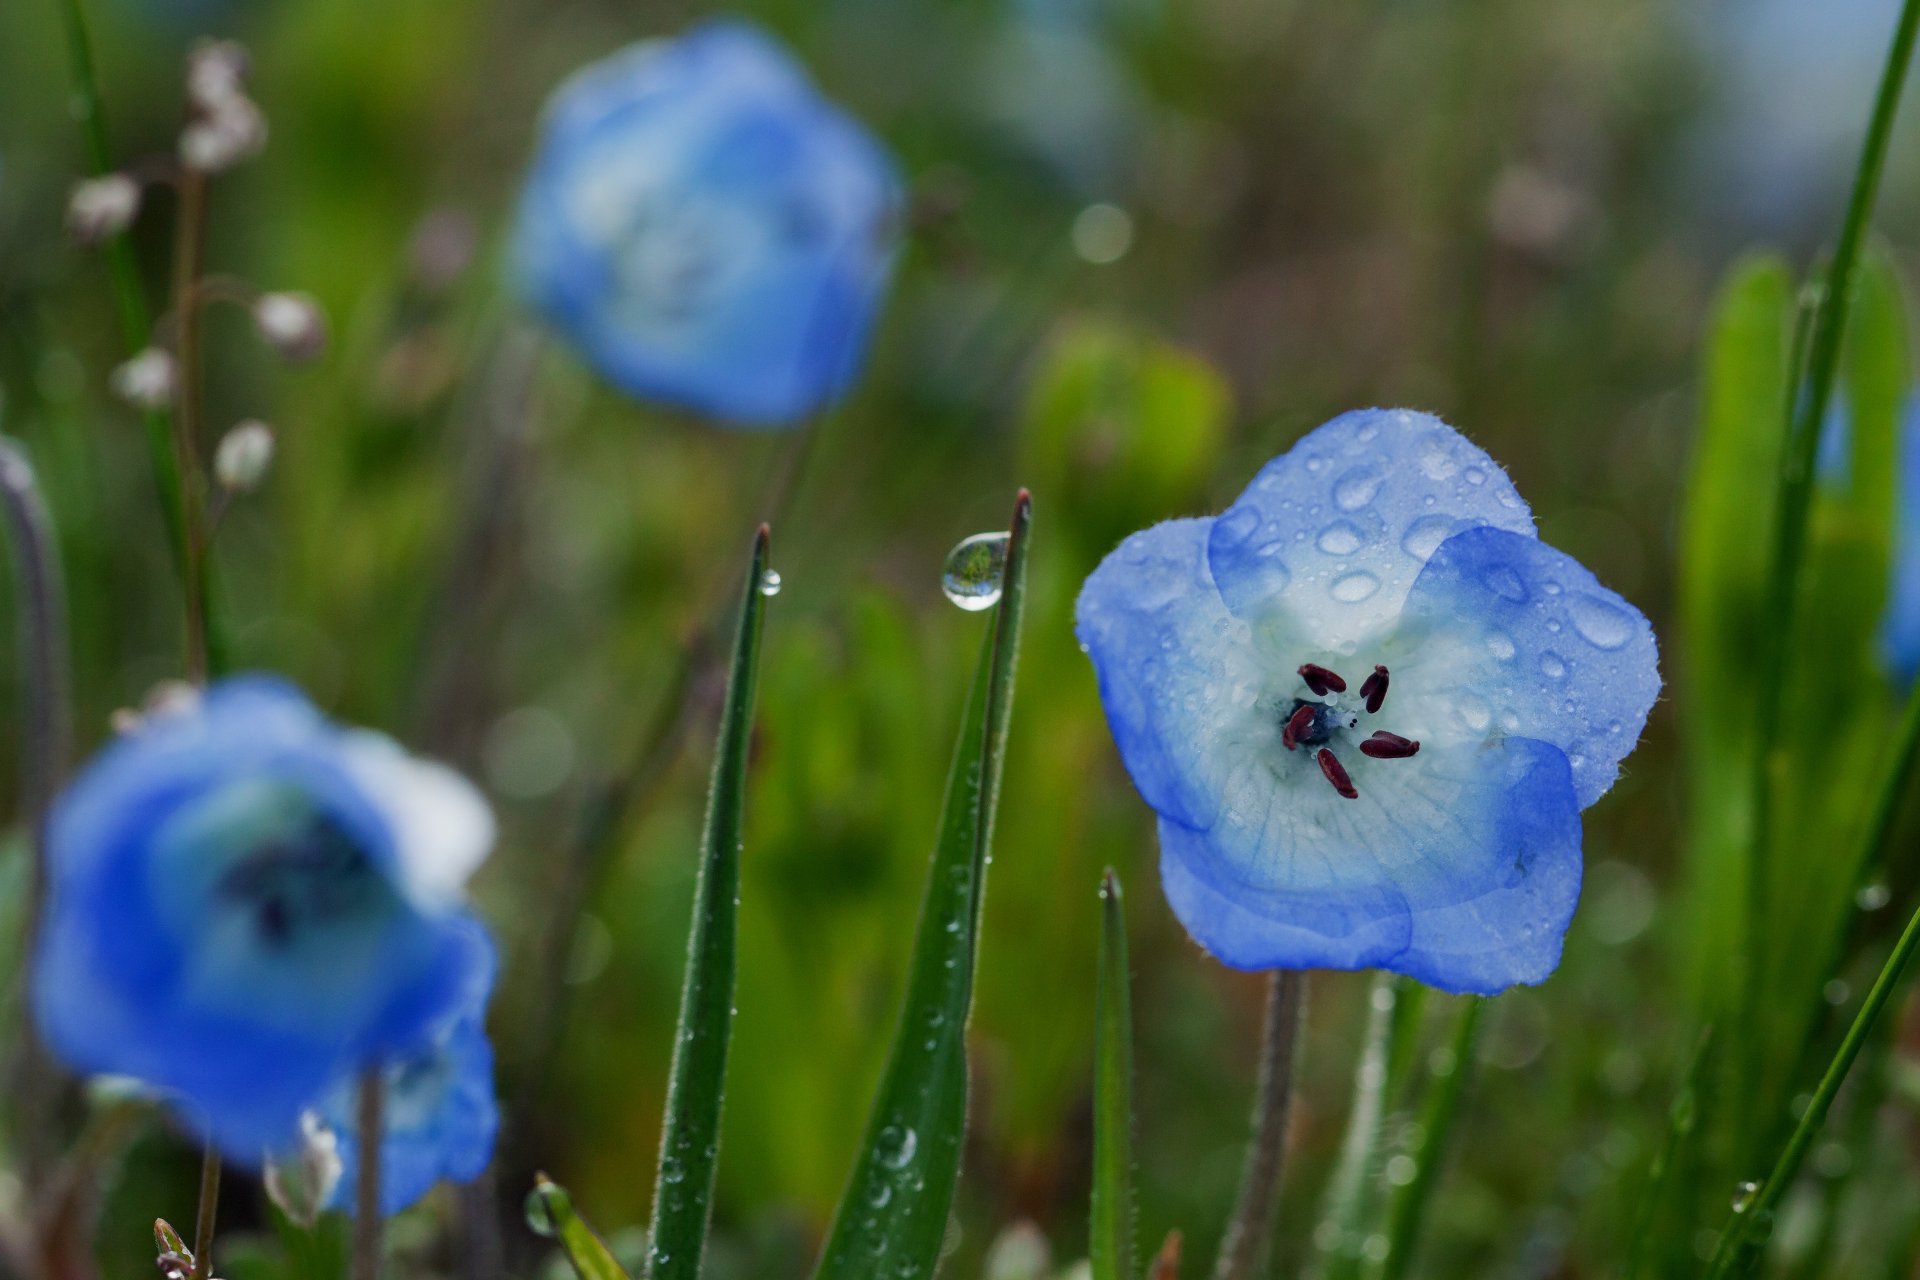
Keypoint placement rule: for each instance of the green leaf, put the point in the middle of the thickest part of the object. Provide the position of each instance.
(1111, 1230)
(892, 1219)
(1407, 1210)
(550, 1213)
(1353, 1193)
(690, 1138)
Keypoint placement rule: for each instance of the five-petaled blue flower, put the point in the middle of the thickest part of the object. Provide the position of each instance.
(708, 229)
(439, 1117)
(1368, 705)
(247, 903)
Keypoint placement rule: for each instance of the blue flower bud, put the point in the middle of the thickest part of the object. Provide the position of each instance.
(708, 230)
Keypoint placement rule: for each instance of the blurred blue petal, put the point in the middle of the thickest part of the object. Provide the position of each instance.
(440, 1115)
(246, 901)
(1901, 633)
(707, 229)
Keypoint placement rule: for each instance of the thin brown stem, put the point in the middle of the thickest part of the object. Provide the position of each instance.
(368, 1129)
(189, 250)
(1243, 1250)
(205, 1216)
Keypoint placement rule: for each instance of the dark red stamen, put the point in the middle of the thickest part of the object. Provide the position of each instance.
(1321, 680)
(1373, 690)
(1389, 746)
(1337, 773)
(1297, 725)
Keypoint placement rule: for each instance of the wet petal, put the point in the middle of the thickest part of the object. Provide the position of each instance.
(1334, 531)
(1502, 634)
(1459, 867)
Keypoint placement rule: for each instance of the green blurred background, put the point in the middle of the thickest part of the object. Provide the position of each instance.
(1152, 242)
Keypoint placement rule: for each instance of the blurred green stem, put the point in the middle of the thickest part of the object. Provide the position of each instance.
(205, 1216)
(1805, 419)
(1682, 1116)
(1907, 749)
(1249, 1234)
(1338, 1237)
(190, 235)
(369, 1133)
(1450, 1070)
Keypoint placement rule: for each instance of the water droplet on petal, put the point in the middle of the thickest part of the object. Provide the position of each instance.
(1601, 623)
(973, 572)
(1506, 584)
(1475, 714)
(1341, 538)
(1237, 526)
(1424, 536)
(770, 582)
(1356, 488)
(1351, 588)
(1552, 666)
(1500, 645)
(1474, 475)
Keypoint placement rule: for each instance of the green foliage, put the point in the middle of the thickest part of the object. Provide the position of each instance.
(1112, 1234)
(550, 1213)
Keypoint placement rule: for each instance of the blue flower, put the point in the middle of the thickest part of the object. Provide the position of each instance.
(1900, 635)
(440, 1116)
(1368, 706)
(247, 902)
(707, 229)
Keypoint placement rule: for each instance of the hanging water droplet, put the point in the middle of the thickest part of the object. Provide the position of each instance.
(1744, 1194)
(973, 572)
(770, 582)
(896, 1146)
(541, 1203)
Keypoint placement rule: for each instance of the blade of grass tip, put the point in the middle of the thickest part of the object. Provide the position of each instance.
(1111, 1229)
(1449, 1068)
(690, 1138)
(550, 1213)
(1736, 1240)
(892, 1218)
(1682, 1116)
(1350, 1188)
(1806, 419)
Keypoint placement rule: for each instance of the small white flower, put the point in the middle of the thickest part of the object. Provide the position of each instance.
(302, 1181)
(148, 380)
(216, 75)
(102, 207)
(243, 457)
(292, 324)
(223, 137)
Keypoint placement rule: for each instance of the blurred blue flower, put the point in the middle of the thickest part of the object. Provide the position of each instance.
(708, 229)
(247, 902)
(1368, 706)
(440, 1116)
(1901, 632)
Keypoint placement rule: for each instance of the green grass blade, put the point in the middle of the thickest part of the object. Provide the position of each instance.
(892, 1218)
(1111, 1230)
(690, 1138)
(1682, 1117)
(1352, 1194)
(550, 1212)
(1408, 1210)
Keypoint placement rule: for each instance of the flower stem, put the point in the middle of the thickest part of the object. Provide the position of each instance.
(1806, 418)
(190, 234)
(46, 743)
(1408, 1210)
(1243, 1250)
(1905, 754)
(368, 1130)
(203, 1219)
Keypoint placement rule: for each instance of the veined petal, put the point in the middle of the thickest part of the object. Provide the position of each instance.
(1459, 867)
(1179, 676)
(1332, 533)
(1503, 634)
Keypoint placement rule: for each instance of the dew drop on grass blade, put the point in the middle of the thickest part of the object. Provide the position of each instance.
(892, 1219)
(1111, 1229)
(690, 1136)
(550, 1213)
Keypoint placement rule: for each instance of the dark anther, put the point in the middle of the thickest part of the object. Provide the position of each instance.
(1321, 680)
(1299, 724)
(1373, 690)
(1389, 746)
(1337, 773)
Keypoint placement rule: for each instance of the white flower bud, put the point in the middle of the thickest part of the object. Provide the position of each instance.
(224, 137)
(216, 75)
(292, 324)
(301, 1182)
(147, 381)
(244, 454)
(102, 207)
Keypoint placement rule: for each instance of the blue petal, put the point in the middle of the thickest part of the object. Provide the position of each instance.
(1179, 676)
(1900, 635)
(1459, 867)
(1332, 533)
(707, 229)
(1504, 634)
